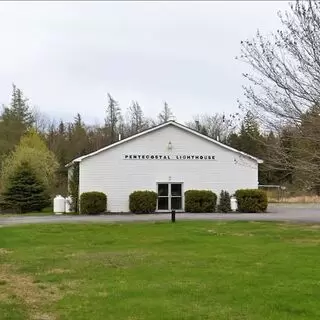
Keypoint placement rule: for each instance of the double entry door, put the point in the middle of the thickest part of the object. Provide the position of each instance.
(170, 196)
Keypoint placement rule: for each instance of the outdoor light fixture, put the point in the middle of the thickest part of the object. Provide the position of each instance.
(169, 145)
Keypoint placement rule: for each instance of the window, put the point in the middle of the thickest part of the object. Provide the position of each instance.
(169, 196)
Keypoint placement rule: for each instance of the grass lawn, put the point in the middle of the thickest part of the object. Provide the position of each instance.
(44, 212)
(154, 271)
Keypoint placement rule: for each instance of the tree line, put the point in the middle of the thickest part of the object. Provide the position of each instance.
(278, 121)
(56, 144)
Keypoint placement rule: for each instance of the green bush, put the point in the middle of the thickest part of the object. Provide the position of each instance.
(251, 200)
(224, 202)
(200, 201)
(93, 202)
(143, 201)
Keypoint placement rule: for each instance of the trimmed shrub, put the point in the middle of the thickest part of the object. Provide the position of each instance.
(93, 202)
(224, 202)
(143, 201)
(251, 200)
(200, 201)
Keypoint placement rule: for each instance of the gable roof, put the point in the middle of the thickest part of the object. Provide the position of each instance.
(168, 123)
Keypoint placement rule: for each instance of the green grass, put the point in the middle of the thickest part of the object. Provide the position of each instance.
(157, 271)
(29, 214)
(44, 212)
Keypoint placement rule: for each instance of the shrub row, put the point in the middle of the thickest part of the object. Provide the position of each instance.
(249, 200)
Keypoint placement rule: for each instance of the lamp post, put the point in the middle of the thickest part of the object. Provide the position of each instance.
(173, 216)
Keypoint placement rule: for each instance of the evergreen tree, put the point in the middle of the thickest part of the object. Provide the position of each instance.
(79, 139)
(19, 109)
(63, 149)
(198, 127)
(16, 119)
(25, 192)
(249, 139)
(32, 149)
(224, 202)
(250, 136)
(62, 128)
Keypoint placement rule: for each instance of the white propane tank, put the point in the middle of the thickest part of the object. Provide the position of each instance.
(234, 203)
(59, 205)
(68, 202)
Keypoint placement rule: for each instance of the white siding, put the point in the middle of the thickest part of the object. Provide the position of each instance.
(110, 173)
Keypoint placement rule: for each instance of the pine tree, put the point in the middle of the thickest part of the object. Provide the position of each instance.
(19, 108)
(249, 139)
(79, 139)
(61, 128)
(32, 149)
(25, 191)
(16, 119)
(224, 202)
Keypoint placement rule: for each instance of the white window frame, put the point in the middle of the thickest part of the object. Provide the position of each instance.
(169, 183)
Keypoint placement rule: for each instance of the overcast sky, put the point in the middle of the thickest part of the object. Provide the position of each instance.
(66, 56)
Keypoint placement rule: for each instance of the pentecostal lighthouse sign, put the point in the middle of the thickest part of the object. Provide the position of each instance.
(167, 157)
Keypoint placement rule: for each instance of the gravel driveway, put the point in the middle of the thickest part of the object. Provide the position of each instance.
(294, 213)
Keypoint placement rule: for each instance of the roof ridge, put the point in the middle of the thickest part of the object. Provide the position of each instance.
(161, 125)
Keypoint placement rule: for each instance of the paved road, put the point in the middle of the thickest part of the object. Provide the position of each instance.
(295, 213)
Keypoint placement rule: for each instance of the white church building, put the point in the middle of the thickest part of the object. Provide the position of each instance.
(168, 159)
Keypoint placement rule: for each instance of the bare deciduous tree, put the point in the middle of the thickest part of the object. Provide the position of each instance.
(113, 117)
(42, 122)
(166, 114)
(285, 85)
(217, 126)
(136, 119)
